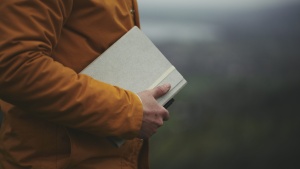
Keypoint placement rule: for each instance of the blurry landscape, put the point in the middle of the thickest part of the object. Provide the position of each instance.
(240, 108)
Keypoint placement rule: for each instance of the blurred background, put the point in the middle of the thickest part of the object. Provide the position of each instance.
(241, 59)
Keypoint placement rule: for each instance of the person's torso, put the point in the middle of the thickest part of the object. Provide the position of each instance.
(91, 28)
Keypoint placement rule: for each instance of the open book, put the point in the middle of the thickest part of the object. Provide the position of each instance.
(134, 63)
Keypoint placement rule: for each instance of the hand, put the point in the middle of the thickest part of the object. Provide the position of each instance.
(154, 114)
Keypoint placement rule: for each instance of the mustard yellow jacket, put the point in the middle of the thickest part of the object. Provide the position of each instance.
(55, 118)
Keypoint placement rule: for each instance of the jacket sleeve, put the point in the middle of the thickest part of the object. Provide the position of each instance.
(31, 80)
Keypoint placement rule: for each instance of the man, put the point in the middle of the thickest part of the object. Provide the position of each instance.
(55, 118)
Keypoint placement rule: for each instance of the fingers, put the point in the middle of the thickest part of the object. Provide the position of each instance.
(150, 128)
(160, 90)
(154, 113)
(161, 116)
(165, 115)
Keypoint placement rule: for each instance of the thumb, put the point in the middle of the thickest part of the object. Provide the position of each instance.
(160, 90)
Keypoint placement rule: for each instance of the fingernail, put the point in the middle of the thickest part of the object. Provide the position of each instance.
(167, 85)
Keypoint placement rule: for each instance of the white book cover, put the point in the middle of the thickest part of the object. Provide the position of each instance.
(134, 63)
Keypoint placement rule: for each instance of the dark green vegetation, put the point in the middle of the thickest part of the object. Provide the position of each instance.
(241, 106)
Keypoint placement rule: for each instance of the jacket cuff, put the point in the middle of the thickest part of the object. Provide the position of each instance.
(137, 116)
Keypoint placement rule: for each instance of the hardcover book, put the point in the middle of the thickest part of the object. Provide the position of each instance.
(134, 63)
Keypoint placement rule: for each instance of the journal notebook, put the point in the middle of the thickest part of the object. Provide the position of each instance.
(134, 63)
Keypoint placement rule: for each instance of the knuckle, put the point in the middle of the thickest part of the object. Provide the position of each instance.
(160, 90)
(167, 117)
(160, 123)
(165, 114)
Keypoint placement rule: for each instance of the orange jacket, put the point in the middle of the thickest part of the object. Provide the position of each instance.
(54, 117)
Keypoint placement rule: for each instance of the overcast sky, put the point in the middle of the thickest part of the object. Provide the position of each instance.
(164, 29)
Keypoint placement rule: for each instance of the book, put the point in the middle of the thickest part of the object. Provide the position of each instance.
(134, 63)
